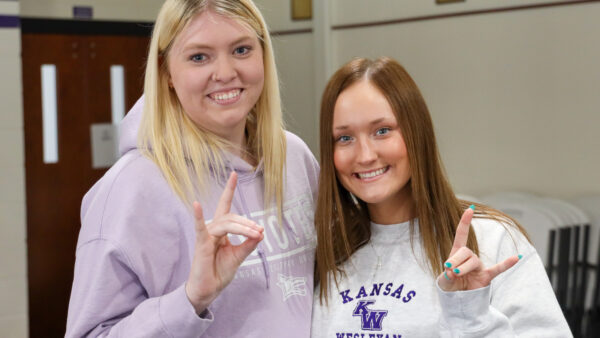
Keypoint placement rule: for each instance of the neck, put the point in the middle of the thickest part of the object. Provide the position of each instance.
(397, 210)
(239, 147)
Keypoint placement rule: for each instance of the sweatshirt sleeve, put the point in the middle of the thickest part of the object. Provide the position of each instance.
(518, 303)
(108, 300)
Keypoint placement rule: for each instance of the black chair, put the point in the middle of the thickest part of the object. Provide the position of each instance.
(592, 316)
(568, 271)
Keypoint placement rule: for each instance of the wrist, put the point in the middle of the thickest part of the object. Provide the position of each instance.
(199, 302)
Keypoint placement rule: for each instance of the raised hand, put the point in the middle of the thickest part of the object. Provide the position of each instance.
(216, 260)
(463, 269)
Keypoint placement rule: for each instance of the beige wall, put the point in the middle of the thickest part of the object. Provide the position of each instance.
(13, 261)
(294, 63)
(356, 11)
(117, 10)
(277, 14)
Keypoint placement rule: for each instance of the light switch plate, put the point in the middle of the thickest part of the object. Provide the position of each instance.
(105, 145)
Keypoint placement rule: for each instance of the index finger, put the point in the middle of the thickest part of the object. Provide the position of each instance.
(462, 230)
(227, 195)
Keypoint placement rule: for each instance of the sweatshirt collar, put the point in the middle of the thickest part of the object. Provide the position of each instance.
(390, 233)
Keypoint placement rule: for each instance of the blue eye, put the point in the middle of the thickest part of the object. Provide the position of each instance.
(242, 50)
(198, 58)
(344, 139)
(382, 131)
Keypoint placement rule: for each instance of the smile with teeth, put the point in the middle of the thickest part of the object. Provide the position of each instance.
(373, 173)
(225, 96)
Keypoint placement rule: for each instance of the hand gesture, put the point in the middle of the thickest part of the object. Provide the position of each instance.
(216, 260)
(463, 269)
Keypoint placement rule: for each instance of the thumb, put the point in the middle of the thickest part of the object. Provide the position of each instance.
(503, 266)
(446, 281)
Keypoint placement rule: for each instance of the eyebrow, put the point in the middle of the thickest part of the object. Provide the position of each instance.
(202, 46)
(376, 121)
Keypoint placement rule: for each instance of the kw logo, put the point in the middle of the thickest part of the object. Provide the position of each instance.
(371, 320)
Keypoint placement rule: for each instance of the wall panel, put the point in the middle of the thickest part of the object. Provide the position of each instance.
(13, 267)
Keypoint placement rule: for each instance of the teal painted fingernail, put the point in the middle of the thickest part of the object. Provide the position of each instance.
(448, 264)
(456, 271)
(472, 207)
(520, 256)
(445, 275)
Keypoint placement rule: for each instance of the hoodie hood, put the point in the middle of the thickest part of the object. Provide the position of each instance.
(128, 128)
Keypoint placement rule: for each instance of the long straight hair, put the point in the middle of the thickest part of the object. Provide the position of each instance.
(342, 222)
(185, 153)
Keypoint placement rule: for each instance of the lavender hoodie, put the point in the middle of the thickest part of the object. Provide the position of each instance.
(136, 244)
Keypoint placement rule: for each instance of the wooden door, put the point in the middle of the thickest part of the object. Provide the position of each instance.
(54, 190)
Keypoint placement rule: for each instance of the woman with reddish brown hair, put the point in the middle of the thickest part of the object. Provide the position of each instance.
(397, 254)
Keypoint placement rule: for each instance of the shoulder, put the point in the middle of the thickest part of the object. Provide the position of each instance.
(296, 144)
(300, 161)
(298, 152)
(133, 175)
(132, 196)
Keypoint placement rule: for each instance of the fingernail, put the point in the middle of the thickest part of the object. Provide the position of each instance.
(448, 264)
(446, 276)
(520, 256)
(456, 271)
(472, 207)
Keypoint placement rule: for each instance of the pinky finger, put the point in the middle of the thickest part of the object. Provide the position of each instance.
(502, 266)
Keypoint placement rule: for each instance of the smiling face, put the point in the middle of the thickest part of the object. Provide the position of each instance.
(369, 154)
(216, 68)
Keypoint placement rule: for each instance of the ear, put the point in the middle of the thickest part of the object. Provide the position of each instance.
(161, 60)
(169, 79)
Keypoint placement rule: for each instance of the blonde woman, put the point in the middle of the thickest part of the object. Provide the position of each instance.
(204, 227)
(396, 254)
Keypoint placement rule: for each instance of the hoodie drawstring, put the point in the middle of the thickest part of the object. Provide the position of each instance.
(261, 252)
(265, 265)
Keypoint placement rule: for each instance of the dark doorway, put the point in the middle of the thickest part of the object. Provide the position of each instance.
(82, 53)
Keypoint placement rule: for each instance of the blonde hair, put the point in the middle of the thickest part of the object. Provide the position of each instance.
(185, 153)
(343, 225)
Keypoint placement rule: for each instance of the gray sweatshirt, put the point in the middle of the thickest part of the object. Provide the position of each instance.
(136, 244)
(401, 298)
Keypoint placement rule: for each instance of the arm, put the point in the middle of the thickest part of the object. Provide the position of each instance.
(508, 301)
(129, 293)
(521, 304)
(108, 300)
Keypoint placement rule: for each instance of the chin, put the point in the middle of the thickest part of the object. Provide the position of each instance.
(370, 199)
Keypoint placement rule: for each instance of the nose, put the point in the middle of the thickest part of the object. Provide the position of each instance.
(224, 70)
(366, 152)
